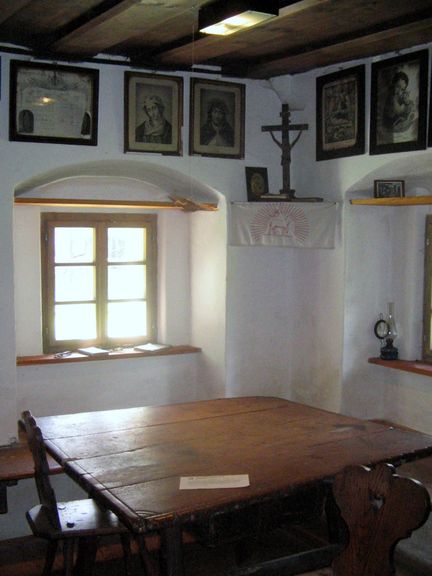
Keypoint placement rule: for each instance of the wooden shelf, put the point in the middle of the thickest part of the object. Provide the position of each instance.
(176, 204)
(406, 201)
(413, 366)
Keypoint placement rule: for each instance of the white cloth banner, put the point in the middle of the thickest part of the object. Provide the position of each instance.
(295, 224)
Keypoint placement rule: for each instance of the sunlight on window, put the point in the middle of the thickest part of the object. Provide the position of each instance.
(100, 276)
(127, 319)
(74, 283)
(126, 282)
(126, 244)
(74, 245)
(75, 321)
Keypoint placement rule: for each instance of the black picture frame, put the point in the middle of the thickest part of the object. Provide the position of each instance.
(389, 188)
(256, 183)
(430, 114)
(398, 118)
(52, 103)
(227, 99)
(153, 115)
(340, 114)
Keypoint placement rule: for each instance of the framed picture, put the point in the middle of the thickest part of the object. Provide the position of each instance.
(256, 183)
(53, 103)
(153, 113)
(399, 103)
(217, 118)
(340, 113)
(389, 188)
(430, 117)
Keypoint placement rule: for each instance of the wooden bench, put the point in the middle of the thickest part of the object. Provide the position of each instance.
(16, 463)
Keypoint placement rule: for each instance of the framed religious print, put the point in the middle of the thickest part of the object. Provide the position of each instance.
(217, 118)
(399, 103)
(153, 113)
(340, 113)
(53, 103)
(389, 188)
(256, 183)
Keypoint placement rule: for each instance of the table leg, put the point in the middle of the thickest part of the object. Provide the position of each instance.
(172, 550)
(3, 494)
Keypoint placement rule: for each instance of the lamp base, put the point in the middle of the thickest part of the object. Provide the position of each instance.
(389, 352)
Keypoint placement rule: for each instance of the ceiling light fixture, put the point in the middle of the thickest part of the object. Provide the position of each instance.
(225, 17)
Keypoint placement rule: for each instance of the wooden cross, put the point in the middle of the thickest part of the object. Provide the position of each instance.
(286, 146)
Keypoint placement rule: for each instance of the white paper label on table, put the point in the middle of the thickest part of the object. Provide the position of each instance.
(206, 482)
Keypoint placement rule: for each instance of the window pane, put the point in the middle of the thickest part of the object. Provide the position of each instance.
(74, 244)
(75, 321)
(126, 244)
(127, 319)
(74, 283)
(126, 282)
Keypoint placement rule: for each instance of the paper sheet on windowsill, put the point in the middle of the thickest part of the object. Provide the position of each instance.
(214, 482)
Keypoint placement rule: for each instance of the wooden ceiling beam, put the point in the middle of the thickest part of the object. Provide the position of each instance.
(124, 23)
(10, 7)
(363, 46)
(69, 38)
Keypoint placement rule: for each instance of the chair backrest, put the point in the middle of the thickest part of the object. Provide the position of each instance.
(379, 508)
(46, 492)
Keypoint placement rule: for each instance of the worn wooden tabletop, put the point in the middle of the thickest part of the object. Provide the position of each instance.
(133, 458)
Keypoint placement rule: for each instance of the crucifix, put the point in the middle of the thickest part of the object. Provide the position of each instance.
(287, 193)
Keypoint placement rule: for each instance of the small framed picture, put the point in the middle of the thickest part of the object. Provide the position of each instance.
(256, 183)
(340, 101)
(53, 103)
(389, 188)
(153, 113)
(217, 118)
(398, 119)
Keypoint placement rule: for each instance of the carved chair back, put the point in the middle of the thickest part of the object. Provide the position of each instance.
(380, 508)
(45, 490)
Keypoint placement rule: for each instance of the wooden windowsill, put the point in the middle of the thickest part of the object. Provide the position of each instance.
(413, 366)
(126, 353)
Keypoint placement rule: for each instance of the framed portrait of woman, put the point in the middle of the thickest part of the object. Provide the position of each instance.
(398, 119)
(217, 114)
(153, 113)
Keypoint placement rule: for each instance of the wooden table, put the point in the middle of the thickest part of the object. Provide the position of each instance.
(132, 459)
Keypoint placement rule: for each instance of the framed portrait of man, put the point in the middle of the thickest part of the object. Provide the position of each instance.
(399, 103)
(217, 114)
(153, 113)
(340, 113)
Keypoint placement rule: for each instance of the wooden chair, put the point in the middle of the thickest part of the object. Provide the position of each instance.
(78, 521)
(378, 509)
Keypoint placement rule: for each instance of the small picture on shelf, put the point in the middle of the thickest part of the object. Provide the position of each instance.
(256, 183)
(389, 188)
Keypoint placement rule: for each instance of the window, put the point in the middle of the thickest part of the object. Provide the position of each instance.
(427, 298)
(98, 280)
